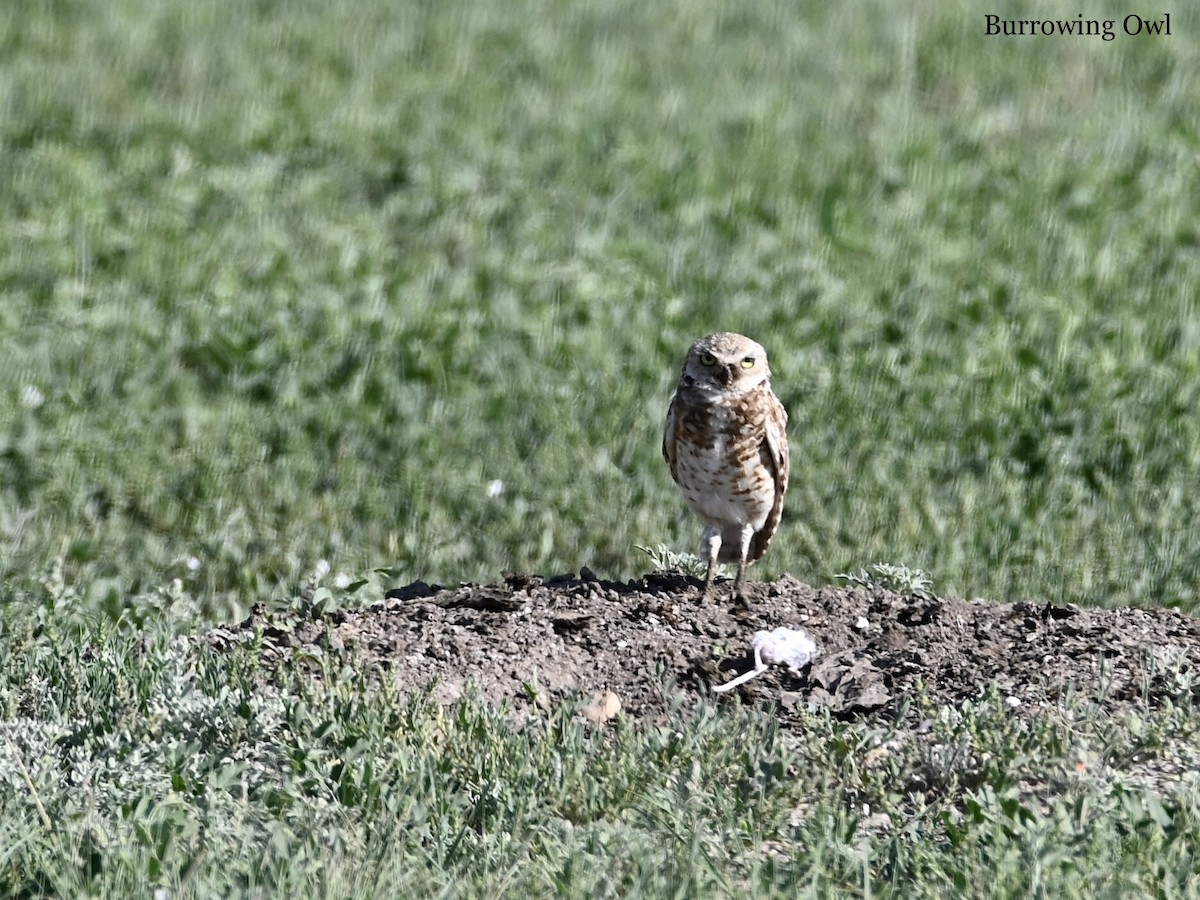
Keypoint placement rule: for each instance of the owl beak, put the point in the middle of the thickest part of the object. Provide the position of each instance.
(726, 375)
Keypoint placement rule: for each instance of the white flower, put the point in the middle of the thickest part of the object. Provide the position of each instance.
(495, 487)
(322, 567)
(342, 581)
(31, 397)
(193, 564)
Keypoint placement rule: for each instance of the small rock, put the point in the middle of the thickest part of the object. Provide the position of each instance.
(876, 756)
(418, 590)
(877, 823)
(603, 706)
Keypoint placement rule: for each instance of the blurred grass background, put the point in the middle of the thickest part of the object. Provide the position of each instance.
(296, 288)
(293, 281)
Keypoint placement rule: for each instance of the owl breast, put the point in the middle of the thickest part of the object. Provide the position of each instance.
(719, 460)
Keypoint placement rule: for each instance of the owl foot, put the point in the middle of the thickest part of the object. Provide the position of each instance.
(713, 543)
(739, 586)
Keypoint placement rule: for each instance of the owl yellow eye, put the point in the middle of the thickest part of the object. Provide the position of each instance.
(708, 359)
(748, 362)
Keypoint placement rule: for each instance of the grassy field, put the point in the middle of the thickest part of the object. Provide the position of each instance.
(407, 285)
(135, 762)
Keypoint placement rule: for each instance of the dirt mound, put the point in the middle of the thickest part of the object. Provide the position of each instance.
(530, 641)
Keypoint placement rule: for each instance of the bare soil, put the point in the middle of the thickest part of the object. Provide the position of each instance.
(530, 642)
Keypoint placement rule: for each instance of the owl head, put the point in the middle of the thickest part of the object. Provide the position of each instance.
(726, 362)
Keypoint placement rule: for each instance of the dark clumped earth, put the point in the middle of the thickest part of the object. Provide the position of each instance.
(631, 648)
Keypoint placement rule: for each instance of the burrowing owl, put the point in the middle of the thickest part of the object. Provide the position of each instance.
(726, 444)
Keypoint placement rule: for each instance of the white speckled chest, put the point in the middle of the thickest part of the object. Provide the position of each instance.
(719, 462)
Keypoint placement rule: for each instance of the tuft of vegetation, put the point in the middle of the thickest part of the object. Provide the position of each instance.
(663, 558)
(900, 579)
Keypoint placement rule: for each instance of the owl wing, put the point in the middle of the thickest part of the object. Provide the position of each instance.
(668, 445)
(774, 455)
(777, 447)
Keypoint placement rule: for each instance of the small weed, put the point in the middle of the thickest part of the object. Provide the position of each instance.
(900, 579)
(663, 558)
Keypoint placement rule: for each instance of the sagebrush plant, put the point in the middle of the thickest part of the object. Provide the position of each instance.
(898, 578)
(663, 558)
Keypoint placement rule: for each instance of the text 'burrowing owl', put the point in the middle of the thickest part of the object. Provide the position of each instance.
(726, 444)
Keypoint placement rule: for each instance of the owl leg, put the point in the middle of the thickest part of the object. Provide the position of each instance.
(710, 544)
(743, 552)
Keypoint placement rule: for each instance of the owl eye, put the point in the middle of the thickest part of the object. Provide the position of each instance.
(748, 362)
(708, 359)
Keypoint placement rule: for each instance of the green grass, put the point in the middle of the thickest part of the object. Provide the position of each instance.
(285, 282)
(134, 761)
(298, 284)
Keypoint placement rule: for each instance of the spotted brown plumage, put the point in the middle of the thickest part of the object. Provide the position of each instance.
(726, 445)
